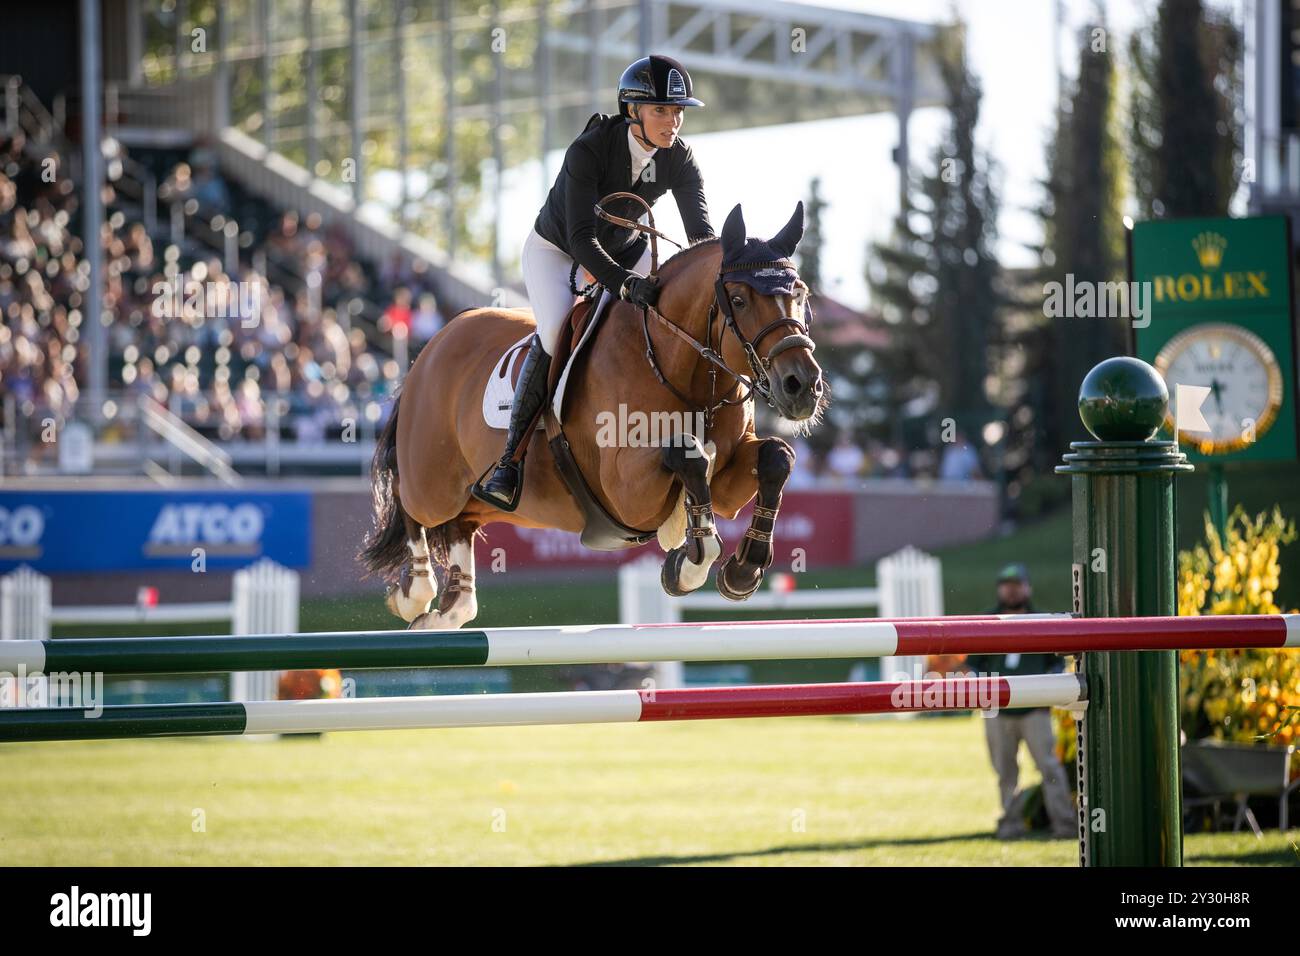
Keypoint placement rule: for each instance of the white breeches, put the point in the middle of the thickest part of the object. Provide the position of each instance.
(546, 275)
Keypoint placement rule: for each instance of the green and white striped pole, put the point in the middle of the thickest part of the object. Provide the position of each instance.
(513, 710)
(625, 643)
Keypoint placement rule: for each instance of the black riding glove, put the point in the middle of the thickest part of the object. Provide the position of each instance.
(640, 291)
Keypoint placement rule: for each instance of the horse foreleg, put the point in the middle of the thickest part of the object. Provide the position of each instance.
(459, 603)
(768, 463)
(686, 568)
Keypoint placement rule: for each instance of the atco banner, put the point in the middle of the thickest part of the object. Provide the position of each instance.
(137, 531)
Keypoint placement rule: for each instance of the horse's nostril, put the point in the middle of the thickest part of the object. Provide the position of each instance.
(792, 384)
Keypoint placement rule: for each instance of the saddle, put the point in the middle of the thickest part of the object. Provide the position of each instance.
(567, 343)
(601, 531)
(500, 391)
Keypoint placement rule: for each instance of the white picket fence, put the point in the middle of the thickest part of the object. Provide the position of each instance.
(264, 600)
(909, 584)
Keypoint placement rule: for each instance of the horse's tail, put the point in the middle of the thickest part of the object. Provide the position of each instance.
(386, 550)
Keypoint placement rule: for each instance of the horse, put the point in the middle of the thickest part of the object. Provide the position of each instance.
(666, 358)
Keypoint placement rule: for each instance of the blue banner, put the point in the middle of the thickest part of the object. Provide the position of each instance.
(145, 530)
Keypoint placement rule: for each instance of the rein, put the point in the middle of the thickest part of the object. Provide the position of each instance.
(758, 366)
(650, 230)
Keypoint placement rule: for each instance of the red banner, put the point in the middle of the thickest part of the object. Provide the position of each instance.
(818, 524)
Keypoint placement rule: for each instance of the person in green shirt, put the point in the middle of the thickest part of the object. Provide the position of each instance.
(1005, 729)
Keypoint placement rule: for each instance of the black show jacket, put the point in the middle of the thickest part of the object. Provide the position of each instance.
(599, 162)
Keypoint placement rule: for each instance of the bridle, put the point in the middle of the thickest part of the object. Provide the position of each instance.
(721, 304)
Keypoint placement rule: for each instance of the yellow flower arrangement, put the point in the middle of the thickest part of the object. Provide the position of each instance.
(1250, 696)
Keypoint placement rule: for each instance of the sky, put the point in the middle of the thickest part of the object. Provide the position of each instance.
(1010, 45)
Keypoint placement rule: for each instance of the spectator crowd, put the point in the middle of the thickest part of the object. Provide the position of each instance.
(849, 462)
(234, 355)
(215, 348)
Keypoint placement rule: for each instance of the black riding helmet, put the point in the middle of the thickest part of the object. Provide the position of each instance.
(655, 80)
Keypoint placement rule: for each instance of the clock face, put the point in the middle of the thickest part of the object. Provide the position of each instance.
(1242, 374)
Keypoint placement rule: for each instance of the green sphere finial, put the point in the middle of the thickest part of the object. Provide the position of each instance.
(1123, 399)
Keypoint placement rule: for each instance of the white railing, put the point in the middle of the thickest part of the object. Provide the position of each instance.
(185, 439)
(909, 584)
(24, 110)
(264, 600)
(372, 232)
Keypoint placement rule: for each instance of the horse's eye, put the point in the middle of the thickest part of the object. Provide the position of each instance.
(737, 302)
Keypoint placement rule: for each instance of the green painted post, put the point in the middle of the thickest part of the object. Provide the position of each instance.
(1125, 565)
(1217, 491)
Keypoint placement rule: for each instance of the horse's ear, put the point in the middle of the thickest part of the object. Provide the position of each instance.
(785, 240)
(733, 232)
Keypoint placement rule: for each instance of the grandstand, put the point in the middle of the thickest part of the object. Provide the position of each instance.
(232, 321)
(295, 196)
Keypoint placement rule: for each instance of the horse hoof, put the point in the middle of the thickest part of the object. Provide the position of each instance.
(735, 590)
(398, 598)
(452, 620)
(671, 574)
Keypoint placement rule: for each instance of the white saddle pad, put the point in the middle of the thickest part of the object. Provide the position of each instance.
(499, 393)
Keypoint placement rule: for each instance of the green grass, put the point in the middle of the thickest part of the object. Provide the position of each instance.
(877, 791)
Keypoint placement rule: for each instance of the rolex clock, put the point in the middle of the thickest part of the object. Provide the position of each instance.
(1217, 309)
(1242, 374)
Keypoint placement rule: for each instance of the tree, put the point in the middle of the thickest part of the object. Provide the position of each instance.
(1186, 109)
(1084, 235)
(936, 278)
(810, 247)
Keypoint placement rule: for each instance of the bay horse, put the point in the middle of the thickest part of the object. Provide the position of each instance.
(665, 359)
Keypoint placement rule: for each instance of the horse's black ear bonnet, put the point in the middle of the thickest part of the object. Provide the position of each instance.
(764, 266)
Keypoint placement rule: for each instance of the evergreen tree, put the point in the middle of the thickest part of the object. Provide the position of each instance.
(852, 372)
(936, 278)
(1186, 109)
(1084, 235)
(810, 247)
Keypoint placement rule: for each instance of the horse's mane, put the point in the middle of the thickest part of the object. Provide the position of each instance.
(683, 253)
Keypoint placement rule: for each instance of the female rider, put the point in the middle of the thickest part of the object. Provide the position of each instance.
(638, 151)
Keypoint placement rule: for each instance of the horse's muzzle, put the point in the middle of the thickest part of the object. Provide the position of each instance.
(797, 386)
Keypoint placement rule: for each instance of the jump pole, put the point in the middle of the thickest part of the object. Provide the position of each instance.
(1123, 569)
(503, 710)
(1124, 565)
(622, 643)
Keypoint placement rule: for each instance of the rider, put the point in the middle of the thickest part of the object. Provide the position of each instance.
(637, 150)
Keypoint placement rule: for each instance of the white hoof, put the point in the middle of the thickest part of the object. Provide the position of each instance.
(693, 576)
(410, 606)
(455, 617)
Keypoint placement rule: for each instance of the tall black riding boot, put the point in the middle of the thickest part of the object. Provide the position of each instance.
(505, 485)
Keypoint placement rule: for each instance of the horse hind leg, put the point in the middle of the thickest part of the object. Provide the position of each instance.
(416, 587)
(459, 604)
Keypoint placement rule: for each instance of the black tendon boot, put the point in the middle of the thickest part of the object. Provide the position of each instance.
(503, 488)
